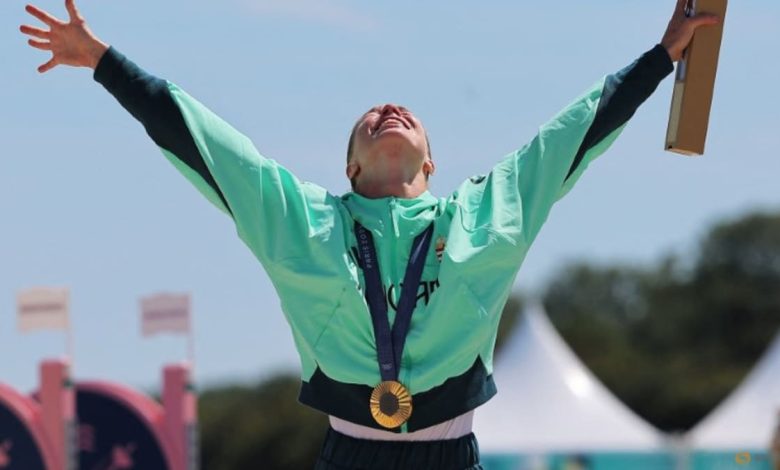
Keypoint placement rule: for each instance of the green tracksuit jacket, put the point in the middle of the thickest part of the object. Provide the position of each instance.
(303, 236)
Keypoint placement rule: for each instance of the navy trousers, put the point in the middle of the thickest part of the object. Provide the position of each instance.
(341, 452)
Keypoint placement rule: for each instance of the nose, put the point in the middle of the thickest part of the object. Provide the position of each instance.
(390, 108)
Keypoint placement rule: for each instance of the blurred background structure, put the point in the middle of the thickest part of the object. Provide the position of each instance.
(660, 273)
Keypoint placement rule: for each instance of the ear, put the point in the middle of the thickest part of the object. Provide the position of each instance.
(428, 167)
(353, 169)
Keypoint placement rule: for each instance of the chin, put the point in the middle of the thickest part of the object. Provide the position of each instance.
(393, 134)
(396, 145)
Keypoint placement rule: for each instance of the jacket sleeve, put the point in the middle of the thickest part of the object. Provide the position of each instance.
(515, 198)
(277, 215)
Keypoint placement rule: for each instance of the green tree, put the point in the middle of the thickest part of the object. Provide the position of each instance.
(509, 318)
(671, 341)
(259, 427)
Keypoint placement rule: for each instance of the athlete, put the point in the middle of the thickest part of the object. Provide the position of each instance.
(393, 295)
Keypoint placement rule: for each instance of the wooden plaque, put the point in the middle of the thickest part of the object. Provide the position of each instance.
(694, 84)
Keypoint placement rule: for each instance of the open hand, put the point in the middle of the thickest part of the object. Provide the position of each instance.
(71, 43)
(680, 31)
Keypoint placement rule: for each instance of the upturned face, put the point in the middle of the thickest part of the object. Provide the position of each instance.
(387, 138)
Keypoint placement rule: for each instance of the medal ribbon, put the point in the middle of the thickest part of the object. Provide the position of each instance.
(390, 342)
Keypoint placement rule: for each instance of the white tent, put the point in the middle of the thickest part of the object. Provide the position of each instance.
(746, 419)
(548, 401)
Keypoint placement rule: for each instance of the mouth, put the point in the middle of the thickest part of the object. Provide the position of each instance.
(389, 122)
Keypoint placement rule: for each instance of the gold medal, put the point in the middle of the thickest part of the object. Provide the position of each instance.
(391, 404)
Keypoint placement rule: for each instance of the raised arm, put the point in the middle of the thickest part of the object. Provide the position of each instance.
(278, 216)
(626, 90)
(521, 189)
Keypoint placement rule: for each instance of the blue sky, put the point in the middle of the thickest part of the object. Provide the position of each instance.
(87, 201)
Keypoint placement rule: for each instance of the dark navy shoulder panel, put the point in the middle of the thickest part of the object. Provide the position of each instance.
(623, 93)
(149, 100)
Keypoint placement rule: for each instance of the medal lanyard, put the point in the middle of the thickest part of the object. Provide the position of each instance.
(390, 343)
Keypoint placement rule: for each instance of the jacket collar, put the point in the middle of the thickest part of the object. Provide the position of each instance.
(393, 216)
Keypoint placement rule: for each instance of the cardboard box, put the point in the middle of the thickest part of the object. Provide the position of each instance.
(695, 83)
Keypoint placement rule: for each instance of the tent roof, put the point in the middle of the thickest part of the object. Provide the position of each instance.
(548, 401)
(747, 418)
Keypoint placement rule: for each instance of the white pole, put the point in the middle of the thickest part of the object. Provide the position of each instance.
(69, 336)
(191, 348)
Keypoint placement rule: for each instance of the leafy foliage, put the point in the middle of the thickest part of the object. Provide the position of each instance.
(673, 342)
(259, 427)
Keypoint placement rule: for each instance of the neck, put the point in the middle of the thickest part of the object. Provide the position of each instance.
(401, 188)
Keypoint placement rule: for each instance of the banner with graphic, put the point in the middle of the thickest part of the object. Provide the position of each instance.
(42, 308)
(165, 313)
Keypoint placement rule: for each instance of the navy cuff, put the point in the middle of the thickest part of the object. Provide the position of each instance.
(658, 62)
(108, 66)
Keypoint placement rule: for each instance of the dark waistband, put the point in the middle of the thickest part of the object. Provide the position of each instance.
(342, 452)
(457, 395)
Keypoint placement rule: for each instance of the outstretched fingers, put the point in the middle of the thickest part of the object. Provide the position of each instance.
(42, 45)
(73, 12)
(48, 65)
(35, 32)
(42, 15)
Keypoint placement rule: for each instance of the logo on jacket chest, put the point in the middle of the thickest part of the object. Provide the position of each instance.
(424, 292)
(392, 292)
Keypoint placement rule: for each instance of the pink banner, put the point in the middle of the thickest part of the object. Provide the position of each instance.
(42, 308)
(165, 313)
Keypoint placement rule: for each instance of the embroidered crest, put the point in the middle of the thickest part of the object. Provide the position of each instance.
(441, 243)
